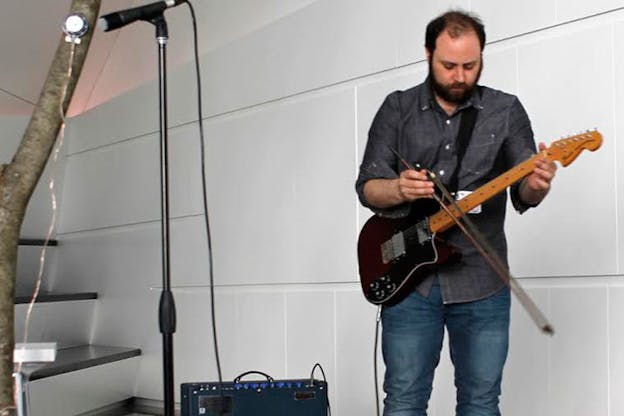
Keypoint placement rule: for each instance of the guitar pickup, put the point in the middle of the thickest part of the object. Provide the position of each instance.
(393, 248)
(422, 232)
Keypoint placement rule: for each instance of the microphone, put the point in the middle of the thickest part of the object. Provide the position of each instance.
(121, 18)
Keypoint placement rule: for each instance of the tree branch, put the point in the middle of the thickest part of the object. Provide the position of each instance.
(19, 178)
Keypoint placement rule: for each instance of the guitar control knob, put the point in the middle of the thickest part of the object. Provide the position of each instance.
(374, 286)
(391, 287)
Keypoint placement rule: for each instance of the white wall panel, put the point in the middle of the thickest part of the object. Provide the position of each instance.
(189, 252)
(578, 368)
(500, 68)
(411, 18)
(325, 43)
(525, 380)
(512, 18)
(572, 220)
(616, 346)
(355, 338)
(618, 144)
(120, 184)
(253, 332)
(311, 335)
(578, 93)
(112, 186)
(185, 190)
(281, 192)
(134, 114)
(135, 249)
(577, 9)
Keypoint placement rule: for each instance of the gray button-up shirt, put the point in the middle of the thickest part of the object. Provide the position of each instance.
(415, 125)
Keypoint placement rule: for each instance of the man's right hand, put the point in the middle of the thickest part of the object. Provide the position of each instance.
(409, 186)
(414, 184)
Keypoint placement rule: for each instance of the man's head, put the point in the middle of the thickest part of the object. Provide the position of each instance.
(453, 44)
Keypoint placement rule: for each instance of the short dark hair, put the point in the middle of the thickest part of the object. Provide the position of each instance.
(456, 22)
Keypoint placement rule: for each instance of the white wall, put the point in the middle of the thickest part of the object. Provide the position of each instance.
(287, 110)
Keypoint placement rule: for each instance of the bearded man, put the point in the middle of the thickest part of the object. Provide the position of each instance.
(466, 296)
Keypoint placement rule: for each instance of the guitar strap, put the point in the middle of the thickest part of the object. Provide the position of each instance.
(466, 125)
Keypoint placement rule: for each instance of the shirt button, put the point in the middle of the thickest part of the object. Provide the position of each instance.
(447, 147)
(441, 172)
(448, 121)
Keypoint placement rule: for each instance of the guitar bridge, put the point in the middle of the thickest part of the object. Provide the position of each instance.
(393, 248)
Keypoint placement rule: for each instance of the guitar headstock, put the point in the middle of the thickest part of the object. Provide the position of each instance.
(568, 149)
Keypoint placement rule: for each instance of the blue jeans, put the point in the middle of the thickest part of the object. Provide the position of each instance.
(412, 339)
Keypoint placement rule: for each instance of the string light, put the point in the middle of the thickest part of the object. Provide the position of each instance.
(74, 27)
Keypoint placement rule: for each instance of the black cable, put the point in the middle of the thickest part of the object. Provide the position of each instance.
(317, 365)
(377, 321)
(205, 193)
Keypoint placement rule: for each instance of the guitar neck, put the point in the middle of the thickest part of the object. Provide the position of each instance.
(441, 221)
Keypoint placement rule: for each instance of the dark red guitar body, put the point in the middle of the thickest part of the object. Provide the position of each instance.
(387, 281)
(394, 255)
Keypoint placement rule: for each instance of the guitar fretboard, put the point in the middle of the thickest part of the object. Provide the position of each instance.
(441, 221)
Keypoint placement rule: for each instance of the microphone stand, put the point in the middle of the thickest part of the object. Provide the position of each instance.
(166, 313)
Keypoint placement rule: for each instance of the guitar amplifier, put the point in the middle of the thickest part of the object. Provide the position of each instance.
(301, 397)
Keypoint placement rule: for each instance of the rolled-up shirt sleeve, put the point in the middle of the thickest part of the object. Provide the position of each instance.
(379, 161)
(519, 146)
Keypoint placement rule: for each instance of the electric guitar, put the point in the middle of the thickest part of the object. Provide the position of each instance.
(395, 254)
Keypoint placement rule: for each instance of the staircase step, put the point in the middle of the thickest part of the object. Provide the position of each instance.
(78, 358)
(36, 242)
(81, 379)
(54, 297)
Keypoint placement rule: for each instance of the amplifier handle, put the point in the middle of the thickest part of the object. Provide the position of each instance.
(237, 379)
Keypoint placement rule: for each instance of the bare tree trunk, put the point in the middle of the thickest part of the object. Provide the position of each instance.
(19, 178)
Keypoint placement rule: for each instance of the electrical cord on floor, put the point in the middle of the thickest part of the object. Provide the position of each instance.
(205, 192)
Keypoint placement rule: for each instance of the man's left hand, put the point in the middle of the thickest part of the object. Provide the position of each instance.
(535, 186)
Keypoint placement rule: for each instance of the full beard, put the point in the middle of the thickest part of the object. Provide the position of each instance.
(455, 93)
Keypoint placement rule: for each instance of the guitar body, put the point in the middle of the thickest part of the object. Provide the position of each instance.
(387, 281)
(394, 255)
